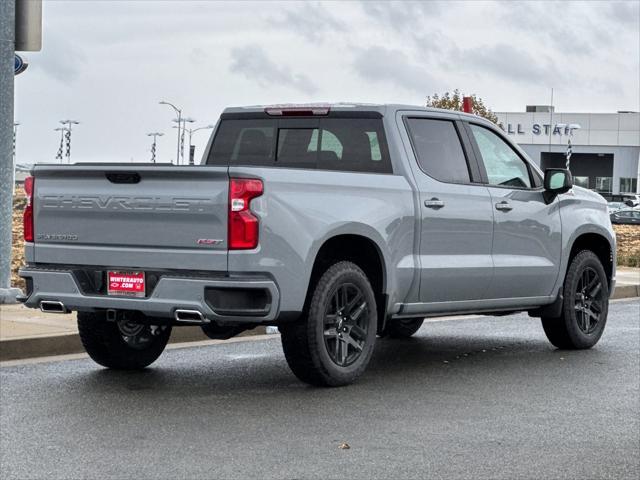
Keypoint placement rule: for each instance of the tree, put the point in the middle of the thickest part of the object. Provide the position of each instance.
(454, 102)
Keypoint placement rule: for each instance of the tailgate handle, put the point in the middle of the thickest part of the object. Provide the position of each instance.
(123, 177)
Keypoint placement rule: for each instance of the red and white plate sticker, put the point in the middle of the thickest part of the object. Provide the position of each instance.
(128, 284)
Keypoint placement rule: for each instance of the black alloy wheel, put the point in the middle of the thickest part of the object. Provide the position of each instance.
(345, 324)
(588, 301)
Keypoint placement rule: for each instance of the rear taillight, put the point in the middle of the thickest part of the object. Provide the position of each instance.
(27, 218)
(243, 224)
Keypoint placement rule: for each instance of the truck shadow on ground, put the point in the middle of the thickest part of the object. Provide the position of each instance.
(421, 361)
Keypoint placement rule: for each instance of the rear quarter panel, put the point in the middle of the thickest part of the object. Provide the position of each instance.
(301, 209)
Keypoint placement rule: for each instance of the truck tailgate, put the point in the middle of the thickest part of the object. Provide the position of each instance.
(134, 216)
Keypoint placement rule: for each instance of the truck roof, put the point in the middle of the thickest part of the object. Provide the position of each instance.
(382, 108)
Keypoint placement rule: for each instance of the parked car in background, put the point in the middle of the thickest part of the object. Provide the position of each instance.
(629, 199)
(615, 206)
(629, 216)
(635, 199)
(337, 224)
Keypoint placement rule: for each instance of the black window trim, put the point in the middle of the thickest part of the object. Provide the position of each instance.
(535, 184)
(469, 155)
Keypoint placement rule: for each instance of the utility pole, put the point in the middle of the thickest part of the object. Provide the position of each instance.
(21, 30)
(153, 145)
(179, 113)
(15, 137)
(67, 134)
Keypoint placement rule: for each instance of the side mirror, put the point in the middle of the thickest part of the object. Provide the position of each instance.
(556, 181)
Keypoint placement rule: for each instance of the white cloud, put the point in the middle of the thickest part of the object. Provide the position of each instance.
(252, 62)
(108, 64)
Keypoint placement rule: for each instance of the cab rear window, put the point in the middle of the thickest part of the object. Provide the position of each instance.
(344, 144)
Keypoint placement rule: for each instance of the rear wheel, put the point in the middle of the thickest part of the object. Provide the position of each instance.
(333, 343)
(402, 328)
(585, 307)
(123, 345)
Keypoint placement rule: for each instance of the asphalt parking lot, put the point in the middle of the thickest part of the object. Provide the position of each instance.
(473, 398)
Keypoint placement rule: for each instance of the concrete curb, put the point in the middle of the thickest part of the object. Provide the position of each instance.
(626, 291)
(69, 343)
(8, 295)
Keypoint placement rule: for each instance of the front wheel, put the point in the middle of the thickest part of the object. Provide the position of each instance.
(333, 343)
(121, 345)
(585, 307)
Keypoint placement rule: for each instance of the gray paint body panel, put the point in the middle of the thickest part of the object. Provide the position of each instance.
(464, 257)
(83, 218)
(301, 209)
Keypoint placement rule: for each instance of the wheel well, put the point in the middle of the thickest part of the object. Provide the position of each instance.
(598, 245)
(363, 252)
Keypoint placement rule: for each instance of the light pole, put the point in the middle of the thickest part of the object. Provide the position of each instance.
(60, 148)
(153, 145)
(191, 131)
(67, 134)
(179, 113)
(182, 124)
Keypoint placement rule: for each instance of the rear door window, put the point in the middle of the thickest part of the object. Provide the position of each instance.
(344, 144)
(438, 149)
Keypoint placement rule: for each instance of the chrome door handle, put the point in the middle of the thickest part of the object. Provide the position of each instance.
(504, 206)
(434, 203)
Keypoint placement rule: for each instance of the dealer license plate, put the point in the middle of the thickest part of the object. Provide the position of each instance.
(127, 284)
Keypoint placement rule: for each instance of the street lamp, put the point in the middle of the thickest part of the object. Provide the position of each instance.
(182, 124)
(179, 113)
(191, 132)
(153, 145)
(67, 135)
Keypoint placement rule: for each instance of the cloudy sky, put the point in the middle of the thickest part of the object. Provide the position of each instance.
(108, 63)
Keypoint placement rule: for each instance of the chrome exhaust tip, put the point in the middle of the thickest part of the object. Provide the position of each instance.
(51, 306)
(189, 316)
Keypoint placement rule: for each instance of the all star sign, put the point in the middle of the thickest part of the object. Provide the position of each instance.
(19, 65)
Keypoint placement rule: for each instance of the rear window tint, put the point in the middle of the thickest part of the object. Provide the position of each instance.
(347, 144)
(438, 149)
(241, 142)
(297, 147)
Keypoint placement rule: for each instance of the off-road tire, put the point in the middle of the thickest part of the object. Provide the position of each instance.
(304, 344)
(105, 344)
(567, 332)
(402, 328)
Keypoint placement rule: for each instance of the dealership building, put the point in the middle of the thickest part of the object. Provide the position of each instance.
(606, 147)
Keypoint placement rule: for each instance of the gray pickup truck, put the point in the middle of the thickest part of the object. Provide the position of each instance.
(336, 223)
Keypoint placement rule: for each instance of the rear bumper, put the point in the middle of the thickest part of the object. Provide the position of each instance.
(170, 294)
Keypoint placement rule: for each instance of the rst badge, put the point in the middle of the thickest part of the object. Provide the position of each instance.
(209, 241)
